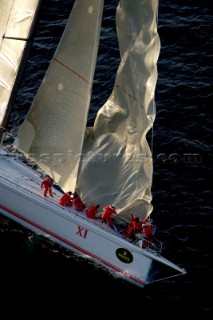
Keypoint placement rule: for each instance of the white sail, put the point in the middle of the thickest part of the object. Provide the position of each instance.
(53, 131)
(16, 26)
(117, 166)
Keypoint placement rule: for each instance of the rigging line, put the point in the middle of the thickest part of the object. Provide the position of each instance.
(176, 275)
(152, 141)
(152, 135)
(45, 38)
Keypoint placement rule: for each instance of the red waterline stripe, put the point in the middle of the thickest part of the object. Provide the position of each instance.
(69, 243)
(73, 71)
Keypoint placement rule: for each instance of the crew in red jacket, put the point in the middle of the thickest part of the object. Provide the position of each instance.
(136, 223)
(78, 203)
(47, 184)
(133, 228)
(107, 214)
(147, 231)
(66, 199)
(91, 211)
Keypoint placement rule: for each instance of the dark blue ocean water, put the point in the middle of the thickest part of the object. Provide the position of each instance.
(38, 274)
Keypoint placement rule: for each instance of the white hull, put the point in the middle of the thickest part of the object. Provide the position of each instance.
(22, 200)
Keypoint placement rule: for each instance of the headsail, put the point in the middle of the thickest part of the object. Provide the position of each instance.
(117, 166)
(17, 19)
(53, 131)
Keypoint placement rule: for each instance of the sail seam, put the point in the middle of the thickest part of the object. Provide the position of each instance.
(73, 71)
(129, 95)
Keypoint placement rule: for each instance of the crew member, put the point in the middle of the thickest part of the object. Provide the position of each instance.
(47, 184)
(107, 214)
(92, 211)
(136, 223)
(147, 231)
(133, 228)
(66, 199)
(78, 203)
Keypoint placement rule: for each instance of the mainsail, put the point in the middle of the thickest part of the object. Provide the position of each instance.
(117, 164)
(53, 131)
(17, 20)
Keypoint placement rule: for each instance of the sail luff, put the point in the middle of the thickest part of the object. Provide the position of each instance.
(53, 131)
(119, 158)
(17, 25)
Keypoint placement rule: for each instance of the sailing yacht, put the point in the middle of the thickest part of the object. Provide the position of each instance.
(107, 164)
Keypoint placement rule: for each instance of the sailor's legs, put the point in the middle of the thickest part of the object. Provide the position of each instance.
(49, 190)
(109, 220)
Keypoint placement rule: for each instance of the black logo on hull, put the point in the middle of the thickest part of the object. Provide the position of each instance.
(124, 255)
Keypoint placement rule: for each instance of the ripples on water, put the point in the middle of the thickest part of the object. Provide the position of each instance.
(181, 188)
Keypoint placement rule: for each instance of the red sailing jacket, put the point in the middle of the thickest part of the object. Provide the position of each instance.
(108, 212)
(91, 212)
(78, 204)
(137, 225)
(65, 199)
(147, 229)
(47, 183)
